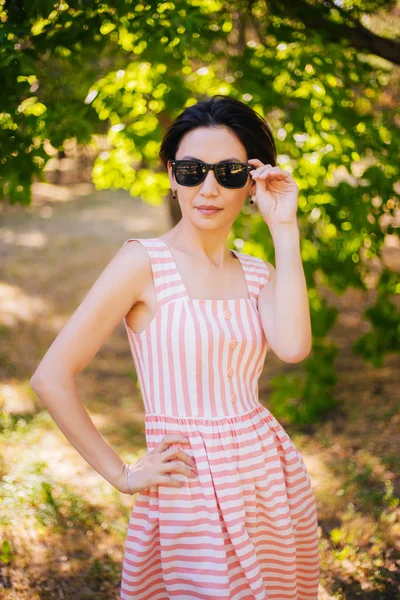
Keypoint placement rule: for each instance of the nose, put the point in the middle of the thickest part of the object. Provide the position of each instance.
(210, 183)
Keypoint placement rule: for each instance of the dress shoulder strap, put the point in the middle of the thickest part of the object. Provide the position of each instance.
(167, 281)
(262, 271)
(256, 272)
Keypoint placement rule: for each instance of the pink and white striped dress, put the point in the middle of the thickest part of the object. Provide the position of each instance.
(245, 528)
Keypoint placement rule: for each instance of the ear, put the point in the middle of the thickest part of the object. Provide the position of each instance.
(170, 175)
(252, 188)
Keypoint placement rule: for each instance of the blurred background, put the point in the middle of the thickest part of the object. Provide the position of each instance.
(87, 89)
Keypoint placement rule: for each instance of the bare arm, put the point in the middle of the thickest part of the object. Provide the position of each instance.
(111, 297)
(283, 301)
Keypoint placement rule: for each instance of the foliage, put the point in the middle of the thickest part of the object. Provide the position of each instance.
(73, 70)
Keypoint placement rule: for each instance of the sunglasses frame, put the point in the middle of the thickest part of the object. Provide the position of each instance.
(210, 166)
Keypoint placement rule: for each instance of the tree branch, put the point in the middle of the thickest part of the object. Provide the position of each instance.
(317, 17)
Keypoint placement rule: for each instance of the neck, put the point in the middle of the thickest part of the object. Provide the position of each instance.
(208, 245)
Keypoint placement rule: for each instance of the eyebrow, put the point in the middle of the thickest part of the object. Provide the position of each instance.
(225, 159)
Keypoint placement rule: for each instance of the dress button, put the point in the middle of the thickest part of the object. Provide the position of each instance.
(233, 343)
(227, 314)
(230, 372)
(233, 398)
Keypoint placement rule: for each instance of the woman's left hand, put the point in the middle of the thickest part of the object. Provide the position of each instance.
(277, 194)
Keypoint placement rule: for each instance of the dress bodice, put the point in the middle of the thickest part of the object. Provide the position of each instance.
(199, 357)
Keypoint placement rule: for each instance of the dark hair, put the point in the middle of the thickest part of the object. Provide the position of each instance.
(219, 110)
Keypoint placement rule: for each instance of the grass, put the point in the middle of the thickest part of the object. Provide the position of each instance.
(63, 527)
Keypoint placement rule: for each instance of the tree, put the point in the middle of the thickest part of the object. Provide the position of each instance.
(129, 69)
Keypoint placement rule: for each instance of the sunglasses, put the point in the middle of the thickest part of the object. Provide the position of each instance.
(230, 175)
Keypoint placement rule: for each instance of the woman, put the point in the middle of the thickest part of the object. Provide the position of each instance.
(224, 505)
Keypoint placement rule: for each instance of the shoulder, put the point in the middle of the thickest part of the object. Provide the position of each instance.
(135, 257)
(267, 267)
(263, 268)
(136, 250)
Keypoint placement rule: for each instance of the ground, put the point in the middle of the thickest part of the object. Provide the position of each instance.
(62, 526)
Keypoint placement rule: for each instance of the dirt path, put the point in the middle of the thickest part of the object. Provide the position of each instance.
(50, 255)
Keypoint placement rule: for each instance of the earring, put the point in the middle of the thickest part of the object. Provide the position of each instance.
(253, 199)
(174, 194)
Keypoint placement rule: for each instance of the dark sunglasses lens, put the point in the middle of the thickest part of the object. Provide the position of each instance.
(232, 175)
(189, 172)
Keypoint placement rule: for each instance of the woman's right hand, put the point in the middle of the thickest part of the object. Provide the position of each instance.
(152, 468)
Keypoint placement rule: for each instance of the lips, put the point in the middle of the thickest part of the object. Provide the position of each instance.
(208, 207)
(208, 211)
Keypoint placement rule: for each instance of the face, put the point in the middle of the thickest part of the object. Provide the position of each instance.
(211, 145)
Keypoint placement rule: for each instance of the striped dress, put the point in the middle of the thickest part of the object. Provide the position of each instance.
(245, 528)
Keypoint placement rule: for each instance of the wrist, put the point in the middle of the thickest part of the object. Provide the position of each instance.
(285, 231)
(128, 476)
(120, 480)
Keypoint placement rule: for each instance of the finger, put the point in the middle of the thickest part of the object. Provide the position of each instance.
(174, 438)
(178, 467)
(261, 169)
(171, 439)
(169, 453)
(277, 170)
(255, 161)
(274, 172)
(170, 481)
(186, 458)
(180, 454)
(272, 175)
(169, 466)
(174, 453)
